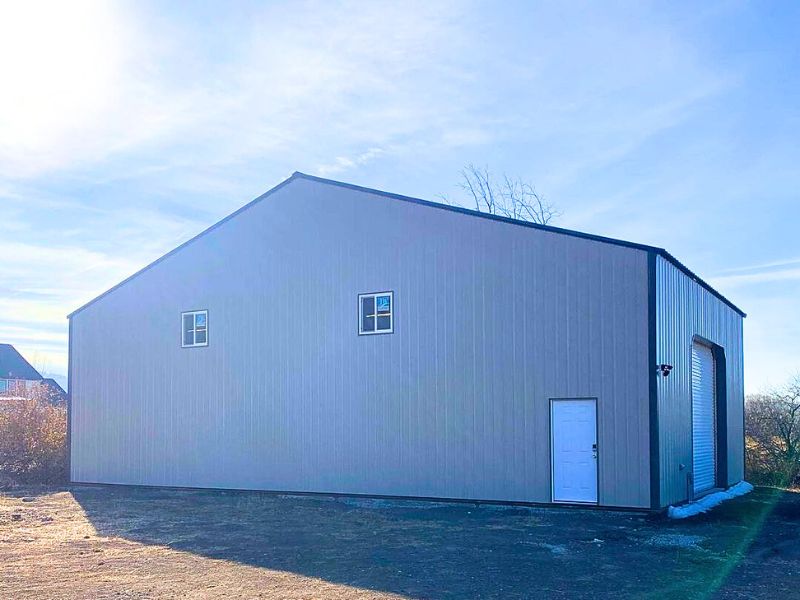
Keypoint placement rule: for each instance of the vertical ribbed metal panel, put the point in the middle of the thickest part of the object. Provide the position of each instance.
(491, 321)
(704, 430)
(685, 311)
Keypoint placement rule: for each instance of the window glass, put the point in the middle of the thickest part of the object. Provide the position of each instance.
(188, 322)
(200, 337)
(384, 304)
(368, 324)
(200, 320)
(384, 323)
(3, 386)
(368, 314)
(188, 338)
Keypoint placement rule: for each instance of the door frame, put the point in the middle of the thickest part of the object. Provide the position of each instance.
(597, 442)
(720, 415)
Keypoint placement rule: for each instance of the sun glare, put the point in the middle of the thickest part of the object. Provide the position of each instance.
(59, 61)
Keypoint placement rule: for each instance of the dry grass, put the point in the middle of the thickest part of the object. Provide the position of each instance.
(49, 549)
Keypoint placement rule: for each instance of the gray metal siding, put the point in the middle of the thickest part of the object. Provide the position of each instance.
(491, 321)
(684, 309)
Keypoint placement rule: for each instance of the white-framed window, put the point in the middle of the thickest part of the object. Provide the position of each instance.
(3, 386)
(375, 313)
(194, 328)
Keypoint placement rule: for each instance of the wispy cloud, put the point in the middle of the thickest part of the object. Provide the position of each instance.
(126, 128)
(773, 271)
(43, 279)
(319, 84)
(763, 267)
(343, 163)
(768, 273)
(122, 89)
(37, 284)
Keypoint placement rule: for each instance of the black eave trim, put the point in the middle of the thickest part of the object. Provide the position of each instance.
(571, 232)
(465, 211)
(187, 242)
(655, 457)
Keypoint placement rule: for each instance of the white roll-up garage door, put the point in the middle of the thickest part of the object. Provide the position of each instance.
(704, 434)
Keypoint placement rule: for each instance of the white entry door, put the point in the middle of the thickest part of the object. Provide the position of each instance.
(573, 448)
(704, 419)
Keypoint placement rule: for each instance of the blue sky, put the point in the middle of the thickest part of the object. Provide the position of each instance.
(127, 128)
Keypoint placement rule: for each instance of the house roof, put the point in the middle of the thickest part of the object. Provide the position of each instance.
(466, 211)
(14, 366)
(54, 385)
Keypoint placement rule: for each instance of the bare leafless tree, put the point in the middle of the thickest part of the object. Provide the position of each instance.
(510, 197)
(773, 434)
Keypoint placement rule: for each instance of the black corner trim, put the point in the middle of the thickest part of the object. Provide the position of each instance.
(70, 387)
(721, 384)
(655, 457)
(744, 415)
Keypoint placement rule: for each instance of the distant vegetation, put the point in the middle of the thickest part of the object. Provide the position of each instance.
(33, 436)
(772, 424)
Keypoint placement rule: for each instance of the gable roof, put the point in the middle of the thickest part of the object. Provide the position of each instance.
(14, 366)
(54, 389)
(466, 211)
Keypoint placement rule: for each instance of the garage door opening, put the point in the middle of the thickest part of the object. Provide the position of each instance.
(705, 418)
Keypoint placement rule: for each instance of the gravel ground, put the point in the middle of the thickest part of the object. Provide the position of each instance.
(117, 542)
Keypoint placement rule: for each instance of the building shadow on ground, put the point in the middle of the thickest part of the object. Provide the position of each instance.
(440, 550)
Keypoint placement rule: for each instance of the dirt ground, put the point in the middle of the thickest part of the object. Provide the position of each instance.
(116, 542)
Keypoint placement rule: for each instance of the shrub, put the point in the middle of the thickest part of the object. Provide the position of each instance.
(772, 425)
(33, 436)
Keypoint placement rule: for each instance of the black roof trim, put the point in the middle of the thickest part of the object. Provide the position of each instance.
(186, 243)
(696, 278)
(475, 213)
(466, 211)
(588, 236)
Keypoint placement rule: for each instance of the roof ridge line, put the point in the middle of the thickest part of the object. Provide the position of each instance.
(457, 209)
(663, 252)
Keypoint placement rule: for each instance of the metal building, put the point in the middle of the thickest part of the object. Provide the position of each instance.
(338, 339)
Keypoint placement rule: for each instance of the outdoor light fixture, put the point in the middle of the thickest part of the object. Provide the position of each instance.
(665, 370)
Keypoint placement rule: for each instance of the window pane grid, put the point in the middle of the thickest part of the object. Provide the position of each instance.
(375, 313)
(195, 328)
